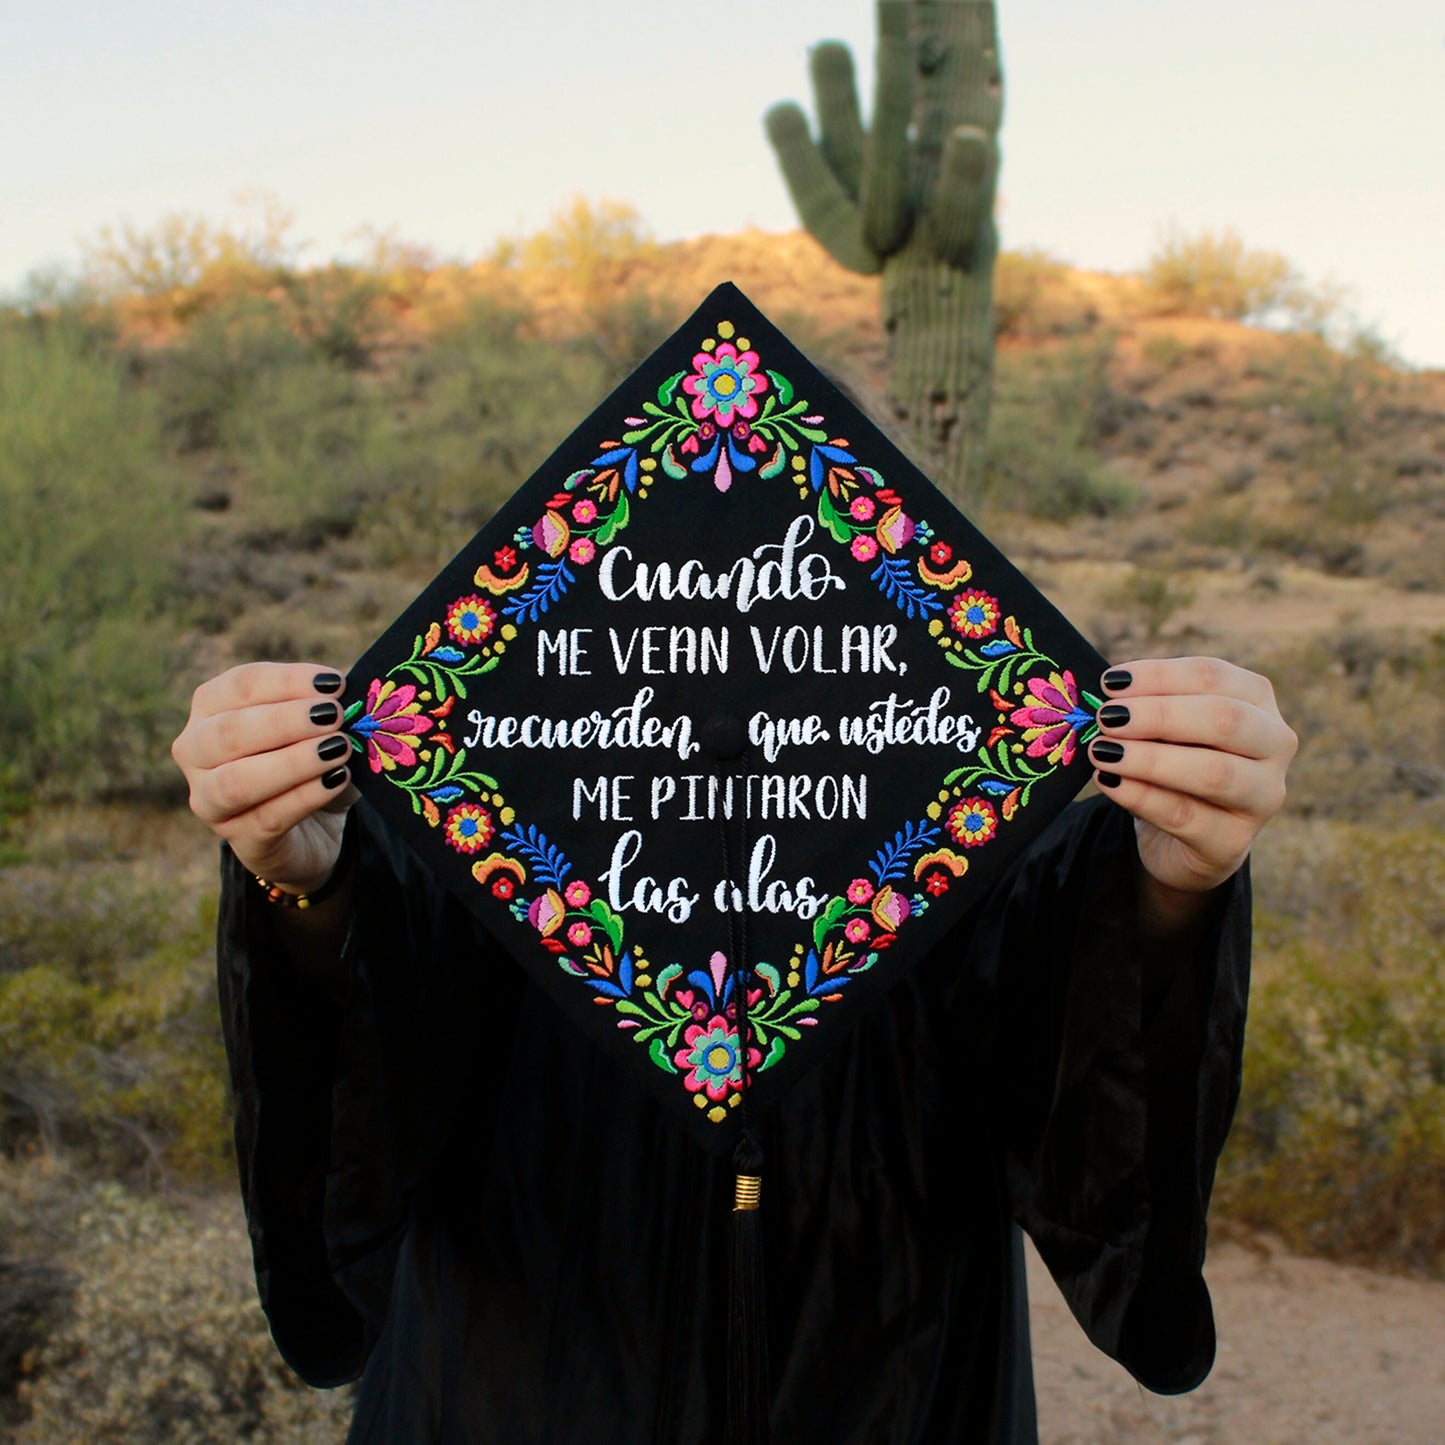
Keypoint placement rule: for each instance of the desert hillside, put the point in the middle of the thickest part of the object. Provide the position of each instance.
(265, 462)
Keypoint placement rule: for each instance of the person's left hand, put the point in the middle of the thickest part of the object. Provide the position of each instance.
(1196, 750)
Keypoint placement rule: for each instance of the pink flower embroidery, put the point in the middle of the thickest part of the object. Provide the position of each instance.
(551, 533)
(391, 725)
(1051, 717)
(709, 1059)
(546, 912)
(890, 909)
(895, 530)
(725, 383)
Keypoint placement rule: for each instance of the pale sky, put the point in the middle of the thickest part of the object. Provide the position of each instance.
(1312, 127)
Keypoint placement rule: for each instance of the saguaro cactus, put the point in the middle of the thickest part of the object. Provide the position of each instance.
(912, 197)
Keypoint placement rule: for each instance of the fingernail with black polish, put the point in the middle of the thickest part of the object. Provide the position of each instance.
(1109, 780)
(1118, 678)
(1115, 715)
(327, 682)
(327, 714)
(1105, 751)
(334, 778)
(334, 748)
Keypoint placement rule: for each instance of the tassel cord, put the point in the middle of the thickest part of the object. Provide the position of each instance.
(747, 1379)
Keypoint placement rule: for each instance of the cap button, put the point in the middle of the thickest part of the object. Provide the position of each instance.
(724, 736)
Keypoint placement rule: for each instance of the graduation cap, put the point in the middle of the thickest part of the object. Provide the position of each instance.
(722, 720)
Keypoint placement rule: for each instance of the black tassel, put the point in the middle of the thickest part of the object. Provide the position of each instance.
(747, 1303)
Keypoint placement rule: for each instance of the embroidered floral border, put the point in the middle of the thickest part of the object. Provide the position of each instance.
(729, 416)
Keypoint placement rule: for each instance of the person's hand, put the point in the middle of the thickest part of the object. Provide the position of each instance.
(1196, 750)
(266, 768)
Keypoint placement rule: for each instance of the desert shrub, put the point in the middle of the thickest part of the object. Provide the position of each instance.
(166, 1341)
(596, 257)
(205, 378)
(1035, 296)
(1211, 273)
(1370, 713)
(33, 1297)
(89, 531)
(484, 403)
(162, 278)
(1336, 391)
(36, 1292)
(109, 1040)
(181, 251)
(1048, 413)
(310, 445)
(1167, 351)
(1339, 1145)
(337, 311)
(1151, 596)
(587, 238)
(303, 439)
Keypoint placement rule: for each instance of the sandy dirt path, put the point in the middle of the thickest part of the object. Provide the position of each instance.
(1310, 1353)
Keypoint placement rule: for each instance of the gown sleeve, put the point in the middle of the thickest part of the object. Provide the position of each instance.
(346, 1100)
(1114, 1071)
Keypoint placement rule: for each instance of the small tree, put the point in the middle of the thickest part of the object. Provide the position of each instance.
(913, 196)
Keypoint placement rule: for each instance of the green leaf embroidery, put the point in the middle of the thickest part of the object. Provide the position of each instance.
(608, 920)
(836, 908)
(621, 515)
(837, 528)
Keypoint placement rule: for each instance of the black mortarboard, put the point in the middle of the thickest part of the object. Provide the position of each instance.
(728, 689)
(726, 682)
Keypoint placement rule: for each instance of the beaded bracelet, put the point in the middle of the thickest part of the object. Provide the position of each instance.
(339, 874)
(282, 899)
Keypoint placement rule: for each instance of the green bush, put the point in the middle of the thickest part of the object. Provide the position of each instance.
(1035, 296)
(207, 377)
(1339, 1145)
(110, 1048)
(276, 398)
(187, 259)
(1151, 595)
(337, 311)
(1049, 410)
(89, 529)
(1369, 708)
(483, 404)
(1211, 273)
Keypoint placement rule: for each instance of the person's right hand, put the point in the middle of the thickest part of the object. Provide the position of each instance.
(266, 766)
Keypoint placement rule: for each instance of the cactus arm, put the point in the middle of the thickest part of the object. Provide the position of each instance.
(963, 197)
(840, 123)
(885, 198)
(824, 207)
(921, 212)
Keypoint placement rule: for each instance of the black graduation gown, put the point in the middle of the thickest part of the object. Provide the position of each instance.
(455, 1196)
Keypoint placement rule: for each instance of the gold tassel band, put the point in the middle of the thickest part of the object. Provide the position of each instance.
(747, 1192)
